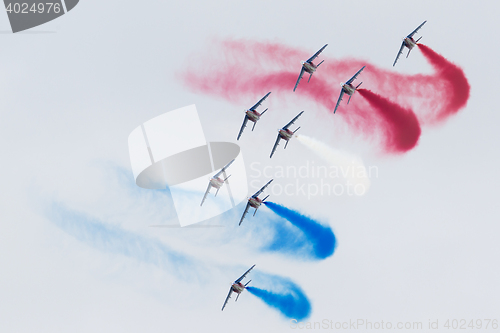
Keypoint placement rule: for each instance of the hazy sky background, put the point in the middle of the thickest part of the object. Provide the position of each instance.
(421, 244)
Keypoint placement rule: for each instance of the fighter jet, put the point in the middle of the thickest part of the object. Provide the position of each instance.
(216, 182)
(348, 88)
(252, 115)
(254, 201)
(309, 67)
(285, 134)
(409, 42)
(237, 287)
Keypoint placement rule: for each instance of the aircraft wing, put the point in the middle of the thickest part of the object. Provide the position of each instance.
(243, 126)
(399, 53)
(339, 100)
(415, 31)
(245, 212)
(206, 193)
(355, 75)
(300, 77)
(262, 189)
(227, 298)
(223, 169)
(243, 276)
(293, 120)
(317, 53)
(259, 102)
(275, 145)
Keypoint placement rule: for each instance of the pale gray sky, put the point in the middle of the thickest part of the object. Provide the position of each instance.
(421, 244)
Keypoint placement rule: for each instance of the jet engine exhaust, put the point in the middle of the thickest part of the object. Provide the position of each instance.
(255, 66)
(351, 167)
(321, 237)
(400, 126)
(457, 90)
(291, 303)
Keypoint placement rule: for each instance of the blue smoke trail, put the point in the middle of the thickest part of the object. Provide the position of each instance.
(321, 237)
(115, 240)
(268, 231)
(290, 301)
(286, 296)
(284, 238)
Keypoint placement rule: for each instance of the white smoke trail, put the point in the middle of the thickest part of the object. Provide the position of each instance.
(350, 167)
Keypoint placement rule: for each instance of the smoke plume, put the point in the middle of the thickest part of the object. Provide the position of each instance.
(401, 126)
(291, 302)
(243, 70)
(351, 167)
(321, 237)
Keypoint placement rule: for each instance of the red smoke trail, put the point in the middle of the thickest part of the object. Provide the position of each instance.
(240, 70)
(402, 127)
(458, 91)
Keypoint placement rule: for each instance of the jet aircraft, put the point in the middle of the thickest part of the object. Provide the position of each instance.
(216, 181)
(409, 42)
(237, 287)
(285, 134)
(348, 88)
(252, 115)
(254, 201)
(309, 67)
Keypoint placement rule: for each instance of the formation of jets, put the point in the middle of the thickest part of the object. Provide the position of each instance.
(408, 42)
(348, 88)
(216, 181)
(237, 287)
(286, 134)
(254, 201)
(252, 115)
(309, 67)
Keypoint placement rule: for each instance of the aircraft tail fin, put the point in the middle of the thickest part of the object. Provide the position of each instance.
(409, 50)
(418, 39)
(265, 198)
(359, 85)
(263, 112)
(254, 125)
(237, 297)
(227, 178)
(296, 130)
(216, 192)
(310, 76)
(349, 99)
(286, 143)
(255, 211)
(319, 63)
(246, 284)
